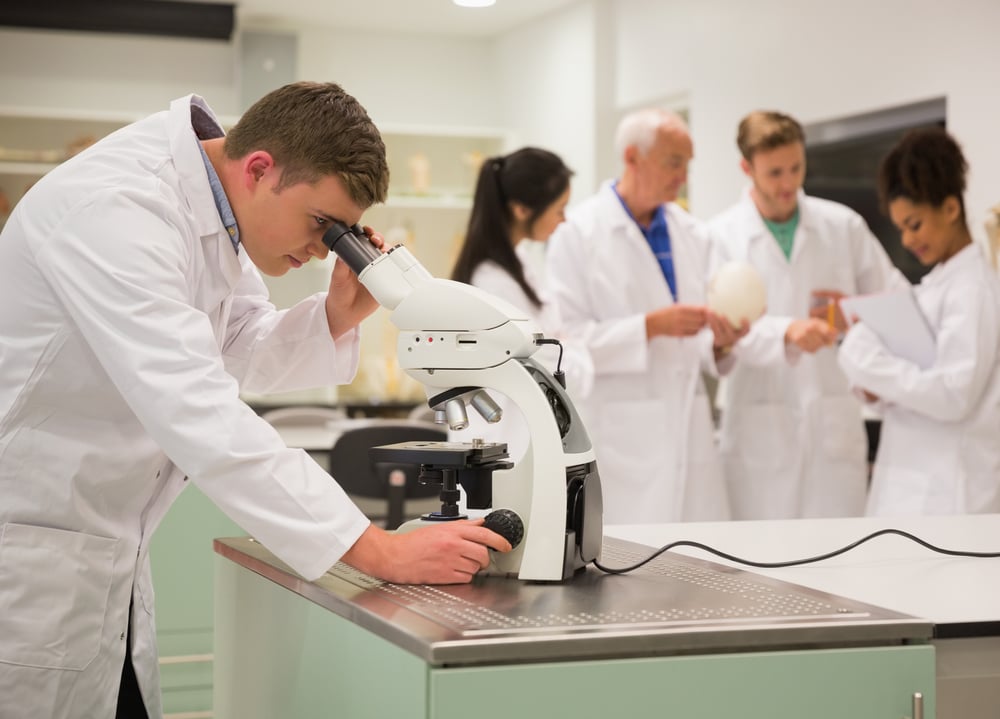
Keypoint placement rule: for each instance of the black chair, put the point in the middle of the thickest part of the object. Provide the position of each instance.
(395, 484)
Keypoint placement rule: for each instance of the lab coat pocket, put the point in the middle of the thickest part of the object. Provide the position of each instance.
(626, 445)
(144, 582)
(841, 430)
(900, 491)
(759, 433)
(54, 588)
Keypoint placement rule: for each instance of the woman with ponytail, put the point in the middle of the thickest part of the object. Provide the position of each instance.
(519, 200)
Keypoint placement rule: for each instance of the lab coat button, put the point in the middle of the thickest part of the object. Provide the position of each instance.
(121, 637)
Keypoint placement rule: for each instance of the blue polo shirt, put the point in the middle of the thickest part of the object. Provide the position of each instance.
(658, 237)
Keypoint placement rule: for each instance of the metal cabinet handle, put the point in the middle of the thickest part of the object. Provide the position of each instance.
(918, 705)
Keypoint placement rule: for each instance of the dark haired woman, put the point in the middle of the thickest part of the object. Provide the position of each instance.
(520, 196)
(519, 201)
(939, 451)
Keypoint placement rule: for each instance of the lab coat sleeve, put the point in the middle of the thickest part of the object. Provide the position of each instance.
(764, 345)
(128, 292)
(279, 351)
(873, 270)
(706, 353)
(576, 364)
(615, 345)
(949, 389)
(491, 278)
(711, 260)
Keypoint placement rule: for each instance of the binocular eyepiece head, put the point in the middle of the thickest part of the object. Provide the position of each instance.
(351, 245)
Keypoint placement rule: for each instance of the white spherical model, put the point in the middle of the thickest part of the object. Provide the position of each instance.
(736, 291)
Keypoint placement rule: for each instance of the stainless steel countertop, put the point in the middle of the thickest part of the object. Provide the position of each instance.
(675, 604)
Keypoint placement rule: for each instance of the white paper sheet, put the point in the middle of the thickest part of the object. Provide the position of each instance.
(898, 321)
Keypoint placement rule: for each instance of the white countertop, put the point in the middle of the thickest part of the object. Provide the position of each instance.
(888, 571)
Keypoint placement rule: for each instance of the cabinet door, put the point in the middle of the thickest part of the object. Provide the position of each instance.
(181, 558)
(280, 656)
(870, 683)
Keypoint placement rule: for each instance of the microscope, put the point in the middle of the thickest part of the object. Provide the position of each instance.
(459, 342)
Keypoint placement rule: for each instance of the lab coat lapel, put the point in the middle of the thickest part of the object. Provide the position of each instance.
(762, 248)
(688, 270)
(222, 270)
(646, 268)
(804, 233)
(624, 258)
(649, 274)
(222, 267)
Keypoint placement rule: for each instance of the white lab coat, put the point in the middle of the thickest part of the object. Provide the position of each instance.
(648, 413)
(939, 449)
(127, 326)
(512, 429)
(792, 436)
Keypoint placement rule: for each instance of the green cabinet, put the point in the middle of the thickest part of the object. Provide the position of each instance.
(278, 654)
(864, 683)
(181, 559)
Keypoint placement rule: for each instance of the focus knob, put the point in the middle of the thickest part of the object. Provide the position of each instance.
(507, 524)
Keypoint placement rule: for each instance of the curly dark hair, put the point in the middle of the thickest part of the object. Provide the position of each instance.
(925, 167)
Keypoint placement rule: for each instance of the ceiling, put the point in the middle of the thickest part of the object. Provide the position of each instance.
(411, 16)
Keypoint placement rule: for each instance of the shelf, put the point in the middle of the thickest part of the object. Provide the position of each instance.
(34, 141)
(433, 202)
(26, 168)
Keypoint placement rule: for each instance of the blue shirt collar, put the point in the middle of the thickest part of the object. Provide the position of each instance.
(658, 223)
(221, 201)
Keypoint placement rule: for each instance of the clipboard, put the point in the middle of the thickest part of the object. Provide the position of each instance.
(898, 321)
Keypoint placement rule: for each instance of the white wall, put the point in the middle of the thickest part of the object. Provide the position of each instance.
(110, 73)
(546, 81)
(547, 73)
(423, 80)
(816, 60)
(401, 79)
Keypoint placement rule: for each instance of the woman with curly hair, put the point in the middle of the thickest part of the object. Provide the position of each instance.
(939, 451)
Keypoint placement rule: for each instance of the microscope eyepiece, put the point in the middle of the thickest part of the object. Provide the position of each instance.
(351, 245)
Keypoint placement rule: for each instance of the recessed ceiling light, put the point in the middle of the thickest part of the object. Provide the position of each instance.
(474, 3)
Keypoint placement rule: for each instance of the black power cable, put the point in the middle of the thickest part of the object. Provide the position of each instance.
(793, 562)
(559, 375)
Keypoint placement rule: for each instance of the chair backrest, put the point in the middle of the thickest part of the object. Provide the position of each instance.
(422, 413)
(305, 414)
(309, 427)
(354, 470)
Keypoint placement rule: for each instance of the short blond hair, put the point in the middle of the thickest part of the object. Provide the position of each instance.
(766, 130)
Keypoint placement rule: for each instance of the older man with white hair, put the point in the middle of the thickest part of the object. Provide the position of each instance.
(628, 271)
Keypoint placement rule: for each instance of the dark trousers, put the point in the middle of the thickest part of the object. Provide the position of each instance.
(130, 704)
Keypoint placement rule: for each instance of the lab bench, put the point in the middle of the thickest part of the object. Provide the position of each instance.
(958, 595)
(681, 636)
